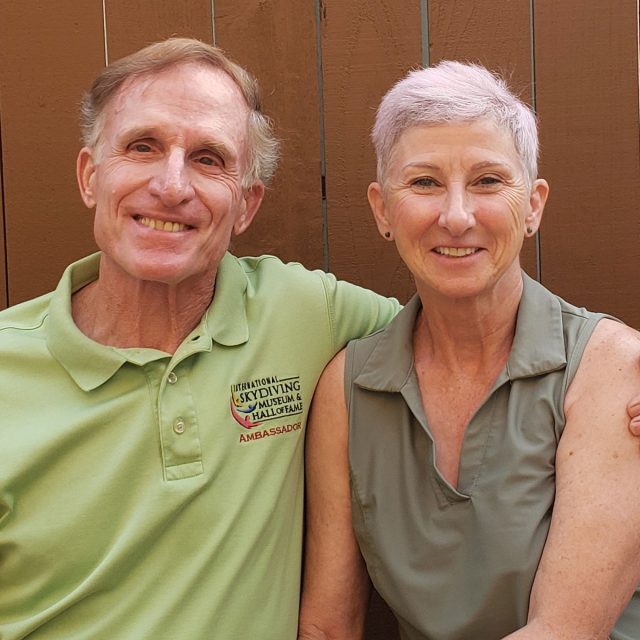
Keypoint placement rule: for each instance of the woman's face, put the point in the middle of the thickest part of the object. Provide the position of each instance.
(457, 205)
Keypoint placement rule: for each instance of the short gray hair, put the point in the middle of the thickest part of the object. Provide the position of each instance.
(454, 92)
(263, 147)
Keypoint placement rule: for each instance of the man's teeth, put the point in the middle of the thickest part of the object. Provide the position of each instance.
(159, 225)
(456, 251)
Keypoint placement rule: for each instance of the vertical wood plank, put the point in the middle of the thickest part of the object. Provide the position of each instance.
(276, 41)
(3, 272)
(496, 35)
(49, 54)
(366, 47)
(587, 73)
(161, 19)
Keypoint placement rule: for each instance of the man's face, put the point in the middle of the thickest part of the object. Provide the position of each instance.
(165, 177)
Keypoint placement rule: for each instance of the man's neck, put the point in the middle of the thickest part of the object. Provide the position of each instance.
(128, 313)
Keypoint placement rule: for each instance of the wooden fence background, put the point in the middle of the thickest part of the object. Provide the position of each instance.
(323, 66)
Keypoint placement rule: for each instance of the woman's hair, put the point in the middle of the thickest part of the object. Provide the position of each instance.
(262, 145)
(454, 92)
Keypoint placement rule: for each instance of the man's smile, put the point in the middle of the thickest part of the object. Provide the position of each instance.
(162, 225)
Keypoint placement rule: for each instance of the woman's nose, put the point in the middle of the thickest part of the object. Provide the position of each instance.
(457, 215)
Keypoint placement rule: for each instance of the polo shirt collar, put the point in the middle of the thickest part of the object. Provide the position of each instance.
(91, 364)
(538, 345)
(226, 318)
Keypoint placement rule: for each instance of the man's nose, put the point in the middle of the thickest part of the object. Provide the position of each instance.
(457, 214)
(171, 182)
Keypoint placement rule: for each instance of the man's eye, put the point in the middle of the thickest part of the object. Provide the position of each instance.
(140, 147)
(209, 160)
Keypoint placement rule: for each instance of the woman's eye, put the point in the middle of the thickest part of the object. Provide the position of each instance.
(489, 180)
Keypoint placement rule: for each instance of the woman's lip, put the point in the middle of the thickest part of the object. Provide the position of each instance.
(456, 252)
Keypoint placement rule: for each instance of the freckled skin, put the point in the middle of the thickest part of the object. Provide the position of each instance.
(458, 185)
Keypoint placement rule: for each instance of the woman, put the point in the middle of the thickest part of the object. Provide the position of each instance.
(484, 404)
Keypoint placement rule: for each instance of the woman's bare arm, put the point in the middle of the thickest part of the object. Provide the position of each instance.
(335, 582)
(591, 561)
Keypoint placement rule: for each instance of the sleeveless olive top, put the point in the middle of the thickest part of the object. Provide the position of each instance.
(458, 564)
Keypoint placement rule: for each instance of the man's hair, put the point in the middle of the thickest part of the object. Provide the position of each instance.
(454, 92)
(262, 145)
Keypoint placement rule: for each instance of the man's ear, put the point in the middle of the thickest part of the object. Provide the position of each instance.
(375, 196)
(252, 199)
(85, 174)
(537, 200)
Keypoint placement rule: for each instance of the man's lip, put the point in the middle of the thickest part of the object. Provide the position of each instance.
(159, 224)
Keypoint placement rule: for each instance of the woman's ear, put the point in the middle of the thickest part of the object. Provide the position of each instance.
(375, 194)
(537, 200)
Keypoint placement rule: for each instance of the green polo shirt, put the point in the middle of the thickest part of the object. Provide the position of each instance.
(147, 495)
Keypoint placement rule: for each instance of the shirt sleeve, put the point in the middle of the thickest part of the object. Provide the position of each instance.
(354, 311)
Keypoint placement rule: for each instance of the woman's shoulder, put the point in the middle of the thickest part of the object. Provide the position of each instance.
(611, 360)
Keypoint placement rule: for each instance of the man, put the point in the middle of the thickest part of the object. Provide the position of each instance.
(153, 407)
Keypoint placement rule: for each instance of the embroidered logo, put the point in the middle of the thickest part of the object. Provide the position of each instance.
(257, 402)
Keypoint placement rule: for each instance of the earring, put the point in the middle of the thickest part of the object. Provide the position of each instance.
(387, 234)
(529, 231)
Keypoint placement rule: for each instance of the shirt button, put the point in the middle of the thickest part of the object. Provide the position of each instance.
(178, 426)
(172, 378)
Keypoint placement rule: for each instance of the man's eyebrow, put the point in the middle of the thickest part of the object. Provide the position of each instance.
(216, 147)
(210, 144)
(138, 132)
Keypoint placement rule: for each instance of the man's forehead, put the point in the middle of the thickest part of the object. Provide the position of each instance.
(198, 80)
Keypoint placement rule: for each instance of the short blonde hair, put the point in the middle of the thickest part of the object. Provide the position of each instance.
(263, 147)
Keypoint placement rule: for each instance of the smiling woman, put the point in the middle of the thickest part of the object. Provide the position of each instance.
(481, 450)
(458, 191)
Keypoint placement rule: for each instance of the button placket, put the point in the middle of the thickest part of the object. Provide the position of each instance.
(178, 419)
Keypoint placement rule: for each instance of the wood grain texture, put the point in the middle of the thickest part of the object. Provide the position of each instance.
(366, 47)
(276, 41)
(587, 73)
(160, 18)
(3, 257)
(49, 54)
(496, 35)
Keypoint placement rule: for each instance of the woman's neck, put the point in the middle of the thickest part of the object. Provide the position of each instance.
(468, 333)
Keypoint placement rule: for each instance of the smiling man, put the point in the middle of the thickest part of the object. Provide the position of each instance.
(153, 407)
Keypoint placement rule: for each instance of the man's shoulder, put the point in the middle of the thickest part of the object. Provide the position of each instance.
(286, 282)
(266, 265)
(25, 316)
